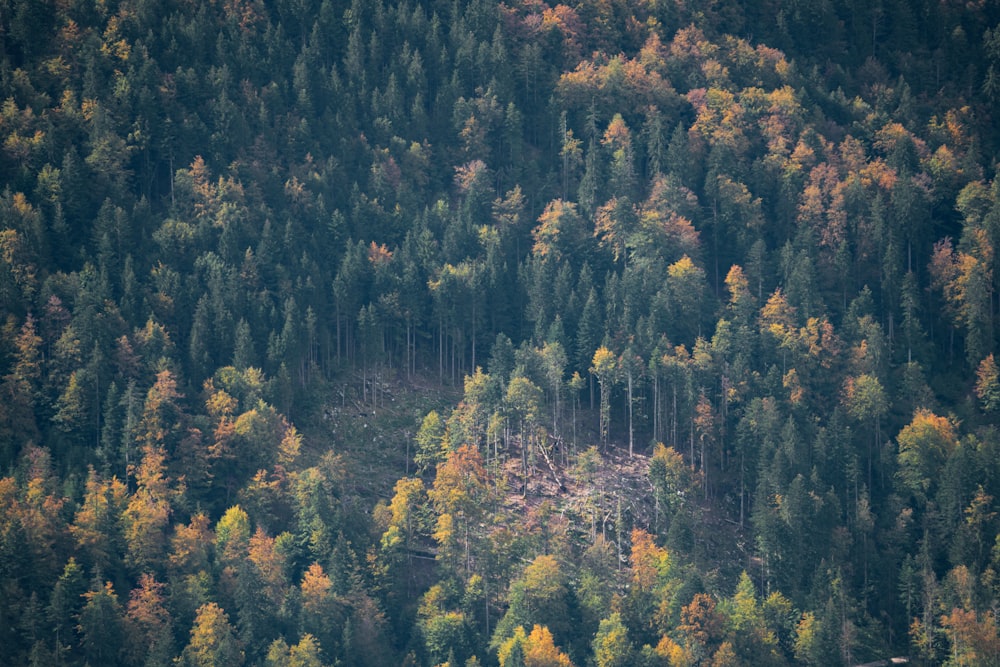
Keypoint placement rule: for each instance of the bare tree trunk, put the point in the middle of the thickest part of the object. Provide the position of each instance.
(631, 439)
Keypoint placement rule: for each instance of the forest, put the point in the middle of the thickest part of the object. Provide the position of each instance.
(653, 333)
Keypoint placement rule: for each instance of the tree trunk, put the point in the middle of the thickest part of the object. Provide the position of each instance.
(631, 439)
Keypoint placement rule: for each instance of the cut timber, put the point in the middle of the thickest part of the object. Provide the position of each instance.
(552, 467)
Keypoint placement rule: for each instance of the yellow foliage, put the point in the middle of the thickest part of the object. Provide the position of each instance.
(540, 650)
(649, 562)
(924, 445)
(604, 362)
(675, 654)
(316, 589)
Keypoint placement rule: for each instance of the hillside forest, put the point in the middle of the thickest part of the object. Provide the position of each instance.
(523, 334)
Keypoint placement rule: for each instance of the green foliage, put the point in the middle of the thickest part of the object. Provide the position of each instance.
(430, 442)
(612, 647)
(538, 597)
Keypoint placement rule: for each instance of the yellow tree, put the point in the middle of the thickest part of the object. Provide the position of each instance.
(271, 563)
(540, 650)
(965, 279)
(322, 613)
(191, 546)
(97, 527)
(405, 520)
(701, 623)
(670, 477)
(650, 585)
(147, 515)
(148, 624)
(537, 649)
(161, 419)
(560, 231)
(307, 653)
(213, 640)
(457, 497)
(974, 639)
(924, 446)
(538, 597)
(232, 535)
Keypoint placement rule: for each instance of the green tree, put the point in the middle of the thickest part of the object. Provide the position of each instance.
(101, 626)
(65, 603)
(538, 597)
(604, 365)
(430, 441)
(924, 446)
(322, 612)
(988, 384)
(612, 647)
(866, 401)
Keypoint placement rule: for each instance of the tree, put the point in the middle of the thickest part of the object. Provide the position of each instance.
(257, 614)
(538, 597)
(162, 419)
(809, 639)
(560, 232)
(671, 479)
(924, 446)
(988, 384)
(974, 640)
(21, 388)
(612, 647)
(213, 640)
(457, 497)
(322, 614)
(701, 623)
(430, 441)
(686, 285)
(232, 535)
(148, 624)
(191, 546)
(101, 626)
(511, 652)
(554, 361)
(865, 400)
(97, 527)
(65, 603)
(614, 224)
(307, 653)
(603, 366)
(445, 633)
(541, 651)
(651, 587)
(704, 425)
(524, 400)
(407, 521)
(147, 515)
(964, 277)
